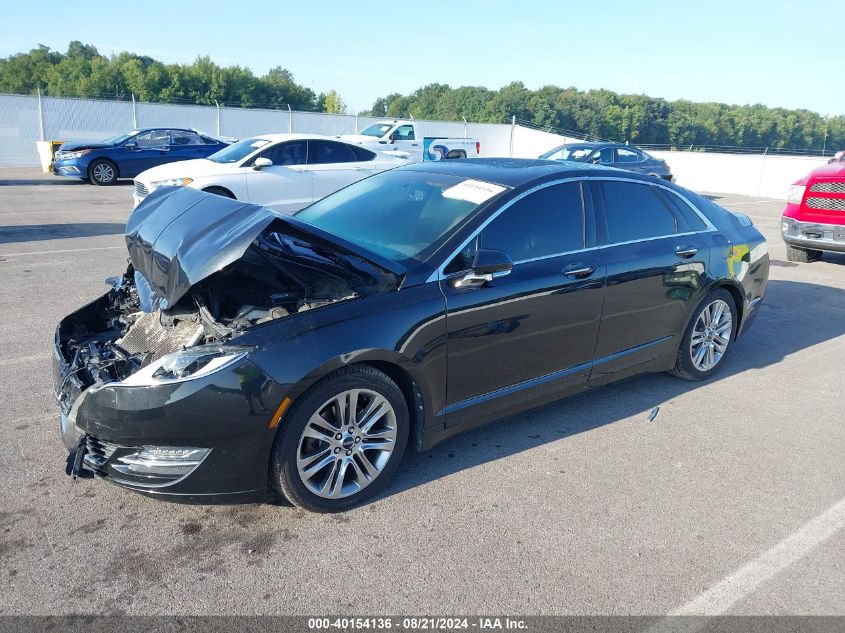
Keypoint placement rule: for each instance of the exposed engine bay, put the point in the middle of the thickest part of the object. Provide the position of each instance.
(279, 275)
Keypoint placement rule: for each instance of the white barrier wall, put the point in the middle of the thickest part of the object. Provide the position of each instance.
(744, 174)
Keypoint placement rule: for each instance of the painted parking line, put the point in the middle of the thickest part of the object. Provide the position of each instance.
(66, 250)
(727, 592)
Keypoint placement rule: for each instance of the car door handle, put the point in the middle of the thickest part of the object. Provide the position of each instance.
(685, 251)
(578, 270)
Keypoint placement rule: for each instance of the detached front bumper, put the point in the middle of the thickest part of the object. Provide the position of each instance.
(130, 435)
(813, 235)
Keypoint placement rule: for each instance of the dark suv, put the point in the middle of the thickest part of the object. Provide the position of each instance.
(613, 155)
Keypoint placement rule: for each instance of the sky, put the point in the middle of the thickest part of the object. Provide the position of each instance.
(778, 53)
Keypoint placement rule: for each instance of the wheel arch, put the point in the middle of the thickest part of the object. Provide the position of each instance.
(394, 366)
(209, 188)
(739, 303)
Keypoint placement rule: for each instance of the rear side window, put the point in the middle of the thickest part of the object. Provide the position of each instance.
(634, 212)
(182, 137)
(546, 222)
(362, 154)
(324, 152)
(682, 210)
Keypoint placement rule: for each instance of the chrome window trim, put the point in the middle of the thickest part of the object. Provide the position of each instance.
(710, 227)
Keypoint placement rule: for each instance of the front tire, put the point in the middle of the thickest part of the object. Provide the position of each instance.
(102, 172)
(342, 440)
(708, 337)
(802, 255)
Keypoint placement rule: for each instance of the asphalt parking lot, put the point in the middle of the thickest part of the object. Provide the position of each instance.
(732, 500)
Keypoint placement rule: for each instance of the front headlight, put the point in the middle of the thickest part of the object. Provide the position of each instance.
(796, 194)
(188, 364)
(71, 155)
(171, 182)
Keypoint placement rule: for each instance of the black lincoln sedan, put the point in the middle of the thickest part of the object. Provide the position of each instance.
(243, 350)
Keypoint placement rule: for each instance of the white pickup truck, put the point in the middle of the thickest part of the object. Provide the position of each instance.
(416, 139)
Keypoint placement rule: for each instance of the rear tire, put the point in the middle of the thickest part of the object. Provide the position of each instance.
(326, 460)
(708, 337)
(102, 172)
(220, 191)
(802, 255)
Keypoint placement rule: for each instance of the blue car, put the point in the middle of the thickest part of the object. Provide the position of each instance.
(127, 155)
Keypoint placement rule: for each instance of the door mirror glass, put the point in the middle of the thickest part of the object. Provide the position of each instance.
(260, 162)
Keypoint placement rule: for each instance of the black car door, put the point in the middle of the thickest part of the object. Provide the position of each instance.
(656, 257)
(529, 335)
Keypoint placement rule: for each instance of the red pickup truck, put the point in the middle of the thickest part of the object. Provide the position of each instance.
(814, 218)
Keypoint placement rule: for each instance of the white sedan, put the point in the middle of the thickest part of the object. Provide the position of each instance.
(285, 172)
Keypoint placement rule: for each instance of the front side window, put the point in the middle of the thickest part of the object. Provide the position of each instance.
(404, 133)
(546, 222)
(286, 154)
(634, 212)
(324, 152)
(401, 215)
(603, 156)
(153, 139)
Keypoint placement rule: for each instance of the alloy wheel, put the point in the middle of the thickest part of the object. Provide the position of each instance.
(103, 172)
(346, 443)
(711, 335)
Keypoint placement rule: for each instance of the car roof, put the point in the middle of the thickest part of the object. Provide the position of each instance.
(275, 138)
(516, 172)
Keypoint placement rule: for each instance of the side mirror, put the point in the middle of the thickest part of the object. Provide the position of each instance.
(392, 138)
(261, 162)
(487, 266)
(130, 145)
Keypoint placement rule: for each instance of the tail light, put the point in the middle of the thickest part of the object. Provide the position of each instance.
(477, 147)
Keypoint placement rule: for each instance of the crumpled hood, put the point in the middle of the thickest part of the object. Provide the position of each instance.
(194, 168)
(178, 236)
(72, 147)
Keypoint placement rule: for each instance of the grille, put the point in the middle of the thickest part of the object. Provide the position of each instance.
(140, 190)
(829, 187)
(98, 453)
(828, 204)
(148, 336)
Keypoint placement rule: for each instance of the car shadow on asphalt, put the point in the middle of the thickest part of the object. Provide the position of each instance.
(821, 318)
(38, 232)
(65, 182)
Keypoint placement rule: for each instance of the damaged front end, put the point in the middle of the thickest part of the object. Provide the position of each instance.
(130, 366)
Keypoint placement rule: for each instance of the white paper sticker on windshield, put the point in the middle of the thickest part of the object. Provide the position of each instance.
(473, 191)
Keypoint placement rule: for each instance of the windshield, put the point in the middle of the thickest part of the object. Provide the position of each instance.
(117, 139)
(376, 129)
(236, 151)
(569, 152)
(401, 215)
